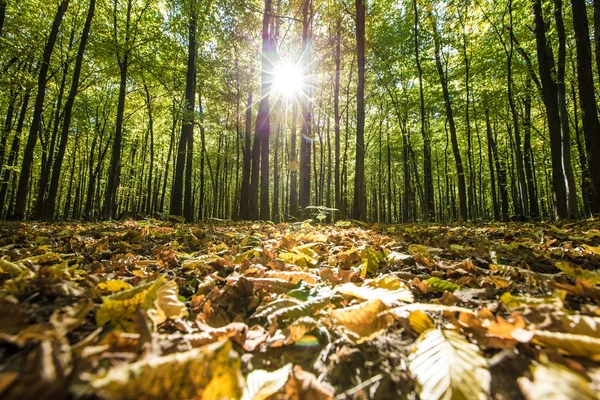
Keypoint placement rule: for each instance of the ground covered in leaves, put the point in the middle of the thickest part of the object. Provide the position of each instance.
(132, 310)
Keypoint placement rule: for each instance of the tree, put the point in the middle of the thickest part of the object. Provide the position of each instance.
(360, 207)
(23, 187)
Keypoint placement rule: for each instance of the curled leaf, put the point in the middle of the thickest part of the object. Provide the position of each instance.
(261, 384)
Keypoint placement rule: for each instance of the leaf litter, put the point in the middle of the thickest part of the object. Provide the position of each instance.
(150, 309)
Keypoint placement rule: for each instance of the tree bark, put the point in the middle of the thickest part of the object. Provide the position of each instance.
(360, 207)
(549, 94)
(48, 210)
(587, 101)
(23, 187)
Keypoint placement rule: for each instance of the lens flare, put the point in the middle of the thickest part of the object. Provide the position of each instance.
(288, 80)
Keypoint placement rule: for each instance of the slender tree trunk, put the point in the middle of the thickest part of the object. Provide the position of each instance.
(428, 195)
(564, 114)
(549, 94)
(491, 157)
(585, 173)
(462, 193)
(2, 15)
(149, 189)
(336, 116)
(534, 210)
(360, 208)
(263, 120)
(587, 101)
(48, 210)
(306, 131)
(187, 129)
(294, 164)
(23, 187)
(245, 191)
(7, 172)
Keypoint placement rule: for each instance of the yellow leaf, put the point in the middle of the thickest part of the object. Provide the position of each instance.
(370, 262)
(209, 372)
(446, 366)
(553, 381)
(568, 343)
(389, 297)
(261, 384)
(592, 249)
(113, 286)
(364, 320)
(420, 322)
(578, 272)
(168, 305)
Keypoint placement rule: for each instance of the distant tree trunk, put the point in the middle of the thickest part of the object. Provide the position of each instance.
(462, 192)
(491, 158)
(48, 210)
(149, 190)
(275, 213)
(306, 135)
(245, 191)
(23, 187)
(572, 207)
(337, 117)
(549, 94)
(263, 120)
(2, 15)
(428, 195)
(585, 173)
(187, 129)
(171, 143)
(7, 172)
(522, 205)
(406, 217)
(294, 164)
(360, 208)
(587, 101)
(534, 210)
(8, 125)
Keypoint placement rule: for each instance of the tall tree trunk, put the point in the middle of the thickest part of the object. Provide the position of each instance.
(2, 15)
(337, 116)
(491, 158)
(294, 164)
(534, 211)
(187, 126)
(428, 195)
(522, 205)
(587, 101)
(49, 208)
(462, 192)
(585, 173)
(549, 94)
(109, 207)
(360, 208)
(149, 189)
(7, 171)
(564, 114)
(23, 187)
(263, 119)
(245, 191)
(306, 131)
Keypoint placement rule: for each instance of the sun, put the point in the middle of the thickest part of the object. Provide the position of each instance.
(288, 79)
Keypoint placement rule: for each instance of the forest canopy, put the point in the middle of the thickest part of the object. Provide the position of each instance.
(381, 110)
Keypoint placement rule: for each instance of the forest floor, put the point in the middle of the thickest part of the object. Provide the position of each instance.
(152, 309)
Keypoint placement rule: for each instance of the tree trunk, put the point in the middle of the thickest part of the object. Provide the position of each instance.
(306, 131)
(360, 208)
(428, 196)
(245, 191)
(294, 164)
(187, 125)
(23, 187)
(48, 210)
(549, 94)
(572, 207)
(462, 193)
(587, 101)
(337, 117)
